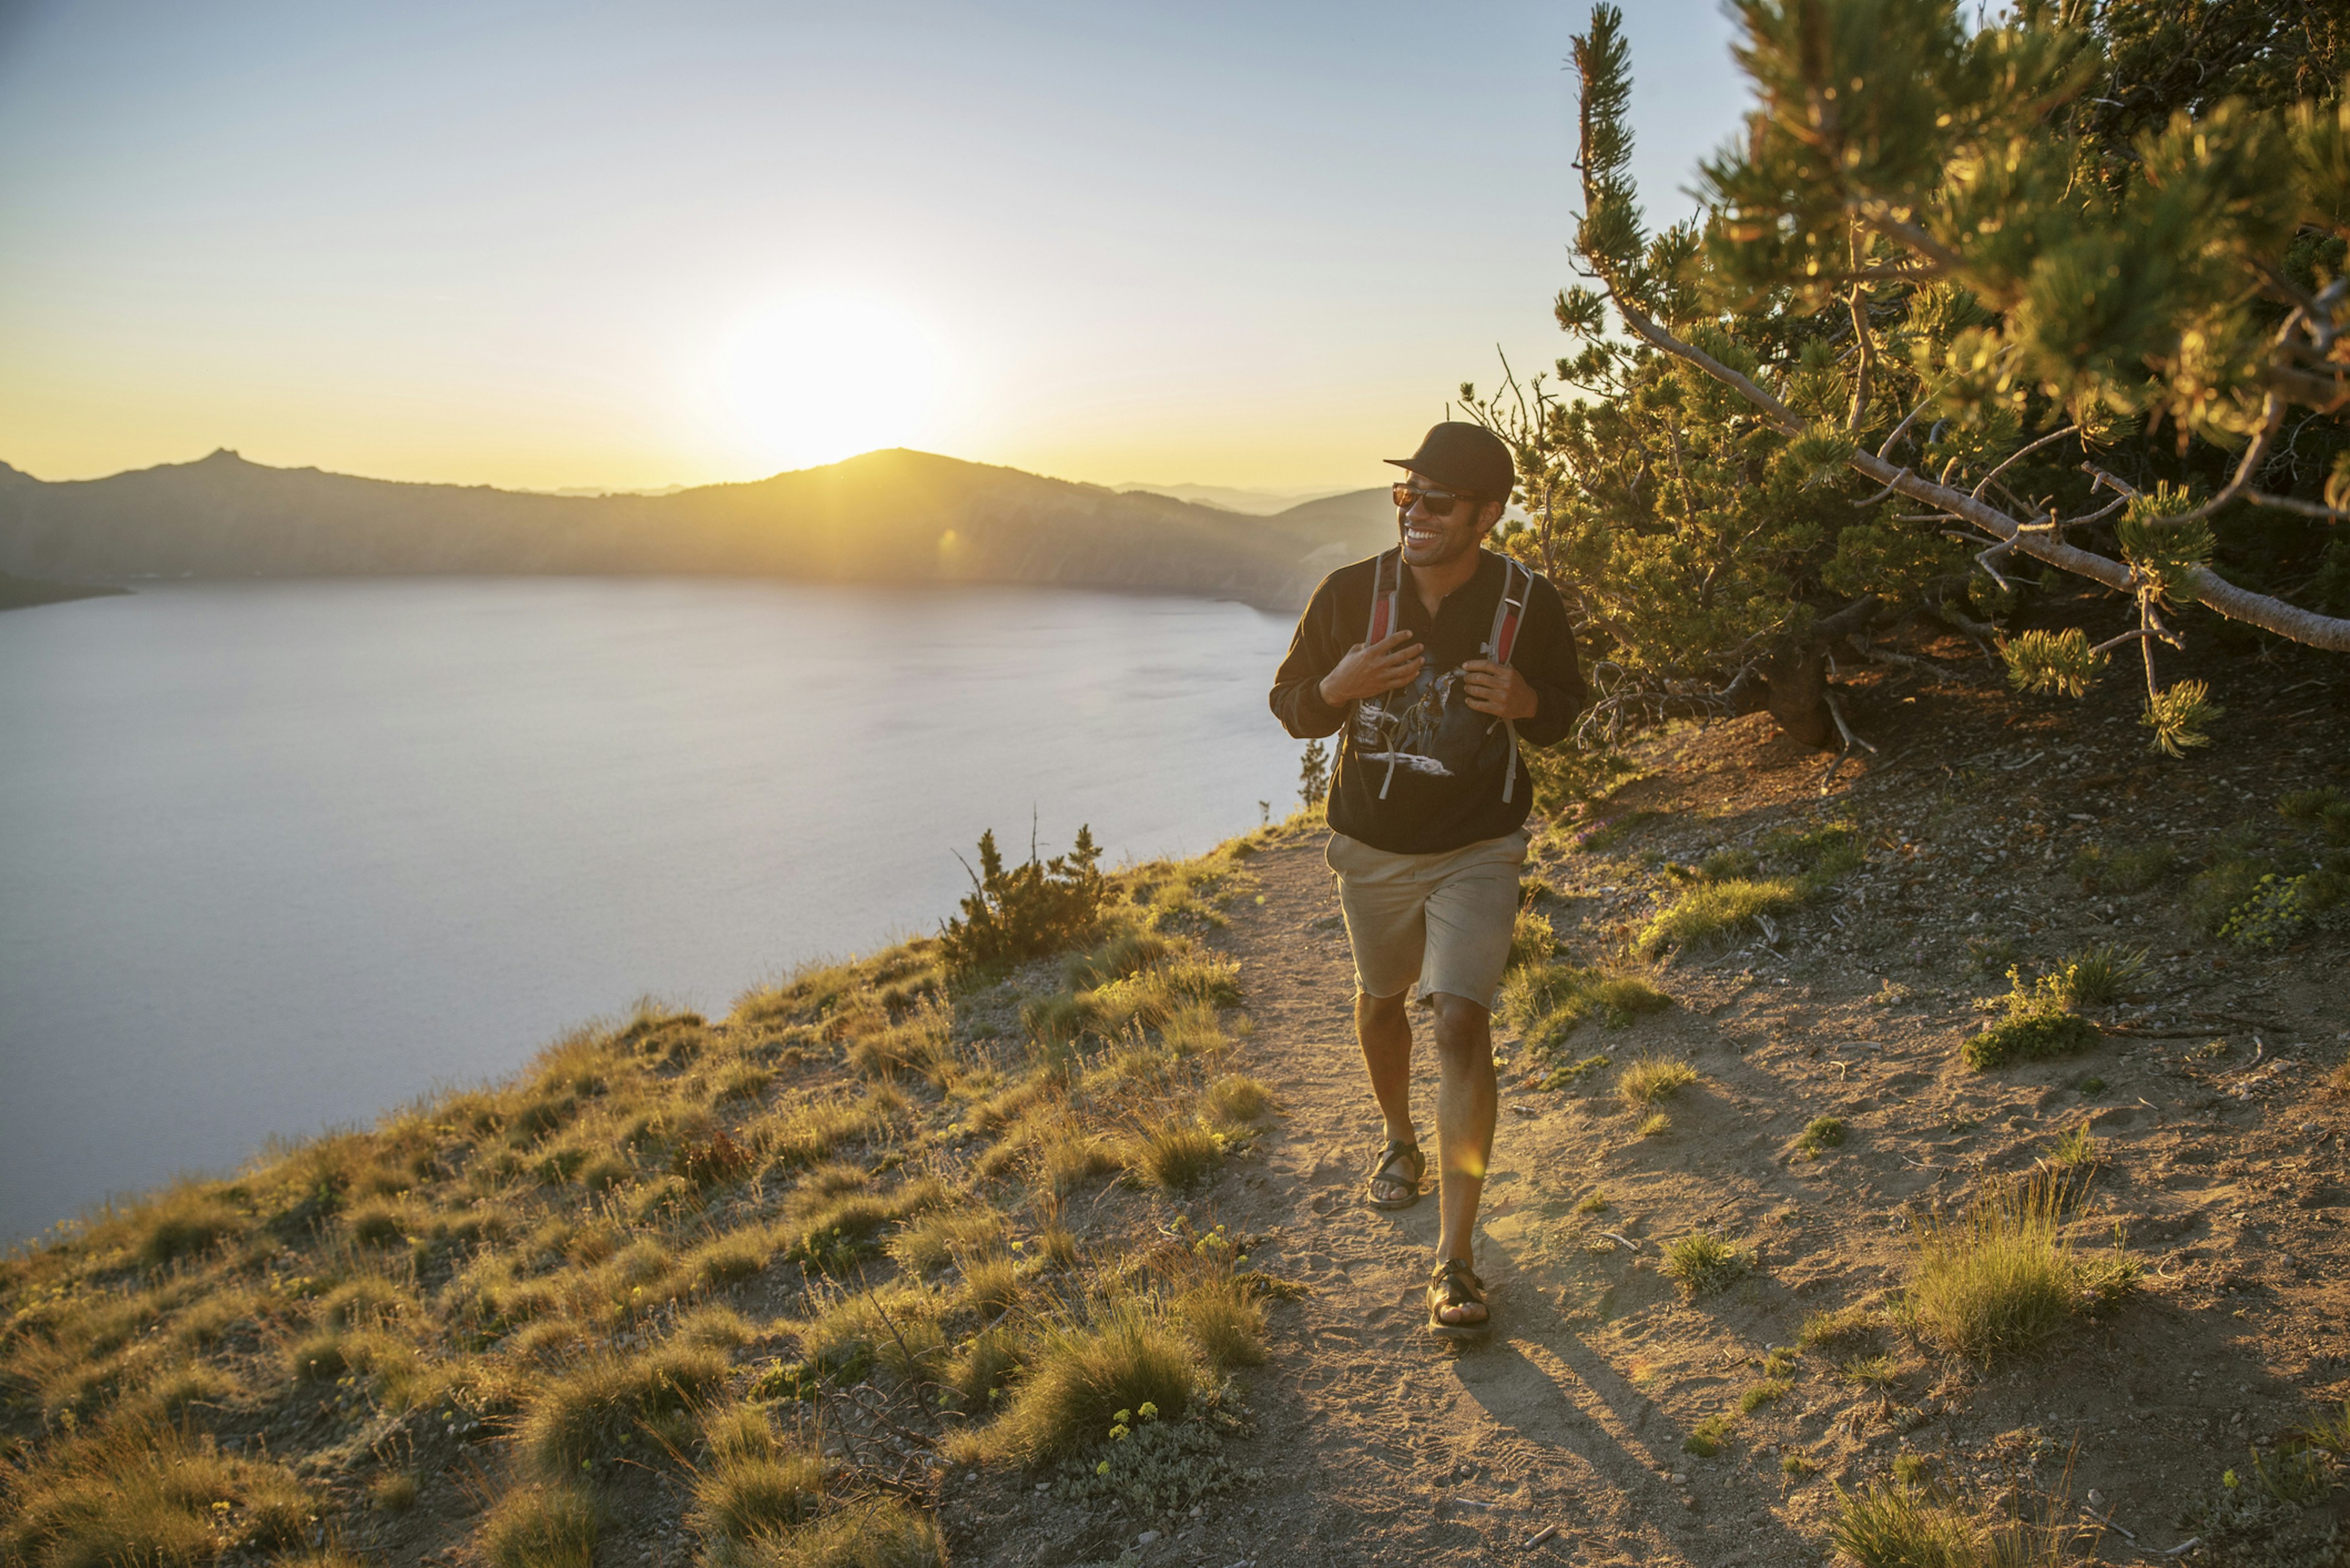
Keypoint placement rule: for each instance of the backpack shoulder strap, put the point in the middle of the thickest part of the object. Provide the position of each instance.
(1385, 612)
(1509, 611)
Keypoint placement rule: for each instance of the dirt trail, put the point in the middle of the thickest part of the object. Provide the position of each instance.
(1380, 1444)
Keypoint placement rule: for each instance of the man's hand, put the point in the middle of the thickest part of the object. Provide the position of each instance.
(1370, 669)
(1498, 690)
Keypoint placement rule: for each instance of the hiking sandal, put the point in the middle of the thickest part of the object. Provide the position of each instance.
(1382, 1172)
(1455, 1284)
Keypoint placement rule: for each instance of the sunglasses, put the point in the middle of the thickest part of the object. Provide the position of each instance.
(1437, 503)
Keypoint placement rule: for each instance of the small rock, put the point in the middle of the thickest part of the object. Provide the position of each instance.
(1044, 1486)
(1678, 1479)
(1145, 1538)
(971, 1475)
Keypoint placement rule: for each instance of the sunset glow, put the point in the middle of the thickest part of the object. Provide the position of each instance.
(818, 378)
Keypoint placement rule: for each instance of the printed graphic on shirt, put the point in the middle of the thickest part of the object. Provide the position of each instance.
(1428, 727)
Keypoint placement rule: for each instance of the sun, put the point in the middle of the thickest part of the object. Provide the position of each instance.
(819, 378)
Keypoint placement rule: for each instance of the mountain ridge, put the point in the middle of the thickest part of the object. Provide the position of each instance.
(887, 516)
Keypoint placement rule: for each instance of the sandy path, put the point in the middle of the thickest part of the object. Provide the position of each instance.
(1380, 1444)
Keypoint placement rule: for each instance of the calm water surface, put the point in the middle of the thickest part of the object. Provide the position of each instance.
(284, 854)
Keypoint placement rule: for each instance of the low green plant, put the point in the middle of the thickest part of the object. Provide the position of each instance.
(1656, 1124)
(2216, 895)
(1593, 1203)
(1799, 1467)
(2039, 1024)
(1706, 1438)
(1703, 1264)
(2279, 911)
(1729, 864)
(1990, 954)
(1531, 940)
(2131, 870)
(1768, 1391)
(1566, 1074)
(2076, 1150)
(1842, 1330)
(1151, 1468)
(1822, 1134)
(1871, 1371)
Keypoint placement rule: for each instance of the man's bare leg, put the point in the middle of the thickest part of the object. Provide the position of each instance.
(1466, 1104)
(1383, 1030)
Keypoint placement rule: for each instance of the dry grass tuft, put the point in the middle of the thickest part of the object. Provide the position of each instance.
(2003, 1278)
(935, 1239)
(551, 1526)
(578, 1419)
(755, 1487)
(1079, 1377)
(880, 1533)
(1713, 912)
(140, 1497)
(1175, 1153)
(1703, 1264)
(1646, 1079)
(1235, 1099)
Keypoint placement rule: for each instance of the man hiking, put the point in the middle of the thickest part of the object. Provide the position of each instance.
(1436, 658)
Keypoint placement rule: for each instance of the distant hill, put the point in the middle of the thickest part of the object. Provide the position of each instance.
(1230, 498)
(894, 515)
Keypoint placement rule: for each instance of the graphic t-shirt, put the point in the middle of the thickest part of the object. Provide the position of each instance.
(1439, 761)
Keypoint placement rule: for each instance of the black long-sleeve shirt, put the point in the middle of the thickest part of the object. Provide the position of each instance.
(1439, 760)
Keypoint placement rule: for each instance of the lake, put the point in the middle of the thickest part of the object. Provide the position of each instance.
(286, 855)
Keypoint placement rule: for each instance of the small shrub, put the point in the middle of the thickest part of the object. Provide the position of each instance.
(2003, 1278)
(2278, 910)
(1025, 911)
(1823, 1133)
(552, 1526)
(1080, 1377)
(1703, 1264)
(1648, 1079)
(2039, 1025)
(2076, 1150)
(1716, 911)
(2308, 807)
(1150, 1468)
(1800, 1467)
(2219, 893)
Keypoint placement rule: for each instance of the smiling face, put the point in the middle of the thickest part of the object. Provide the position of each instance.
(1436, 542)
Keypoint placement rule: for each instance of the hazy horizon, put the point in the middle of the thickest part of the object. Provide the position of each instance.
(496, 245)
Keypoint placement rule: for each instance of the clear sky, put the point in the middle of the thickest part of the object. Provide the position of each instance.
(550, 245)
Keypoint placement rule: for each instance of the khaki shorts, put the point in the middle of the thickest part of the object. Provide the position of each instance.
(1443, 919)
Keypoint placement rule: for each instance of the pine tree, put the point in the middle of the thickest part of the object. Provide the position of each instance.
(1314, 773)
(1968, 309)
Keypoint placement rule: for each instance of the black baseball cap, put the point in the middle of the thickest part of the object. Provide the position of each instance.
(1463, 457)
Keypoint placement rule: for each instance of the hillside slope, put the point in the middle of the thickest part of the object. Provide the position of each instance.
(1025, 1274)
(893, 515)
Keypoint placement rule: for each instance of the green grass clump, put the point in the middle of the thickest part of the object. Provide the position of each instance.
(1822, 854)
(944, 1235)
(2132, 870)
(1656, 1124)
(550, 1526)
(1081, 1375)
(579, 1420)
(1715, 911)
(1768, 1391)
(1646, 1079)
(1546, 1000)
(1600, 837)
(2098, 973)
(2039, 1024)
(1531, 940)
(2219, 893)
(1729, 864)
(1566, 1074)
(1889, 1525)
(1703, 1264)
(1707, 1437)
(1822, 1134)
(2003, 1278)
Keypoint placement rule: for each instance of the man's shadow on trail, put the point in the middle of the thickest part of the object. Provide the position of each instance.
(1580, 1404)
